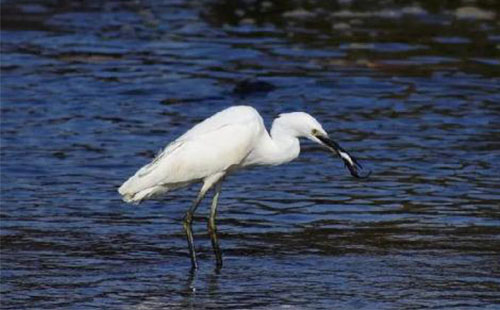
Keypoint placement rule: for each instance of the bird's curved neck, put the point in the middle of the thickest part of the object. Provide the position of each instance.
(278, 147)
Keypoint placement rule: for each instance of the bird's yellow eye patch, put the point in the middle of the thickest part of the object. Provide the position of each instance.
(314, 132)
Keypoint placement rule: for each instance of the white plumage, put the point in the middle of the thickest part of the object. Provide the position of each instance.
(210, 148)
(227, 141)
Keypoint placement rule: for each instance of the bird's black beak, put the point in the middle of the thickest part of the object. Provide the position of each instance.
(350, 162)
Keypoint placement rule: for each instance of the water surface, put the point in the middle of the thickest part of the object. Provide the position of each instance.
(90, 92)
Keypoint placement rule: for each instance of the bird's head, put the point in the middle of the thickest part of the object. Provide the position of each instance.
(301, 124)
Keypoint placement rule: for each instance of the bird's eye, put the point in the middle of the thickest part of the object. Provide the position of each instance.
(314, 132)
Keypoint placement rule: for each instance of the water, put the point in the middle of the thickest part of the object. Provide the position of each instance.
(90, 92)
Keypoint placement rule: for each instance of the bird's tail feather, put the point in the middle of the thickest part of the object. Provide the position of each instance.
(136, 189)
(137, 197)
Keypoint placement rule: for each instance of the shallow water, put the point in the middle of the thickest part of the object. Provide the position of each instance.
(91, 92)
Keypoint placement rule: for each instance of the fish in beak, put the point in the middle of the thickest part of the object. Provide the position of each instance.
(350, 162)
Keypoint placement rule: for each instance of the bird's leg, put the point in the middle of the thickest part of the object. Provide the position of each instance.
(212, 229)
(188, 220)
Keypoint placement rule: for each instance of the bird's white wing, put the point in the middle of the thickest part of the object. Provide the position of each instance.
(218, 123)
(194, 157)
(231, 116)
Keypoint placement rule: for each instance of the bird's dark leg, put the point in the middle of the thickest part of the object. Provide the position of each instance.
(188, 220)
(212, 228)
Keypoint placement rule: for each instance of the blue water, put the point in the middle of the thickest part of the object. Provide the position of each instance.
(90, 92)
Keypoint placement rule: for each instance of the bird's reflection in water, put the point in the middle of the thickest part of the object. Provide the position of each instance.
(190, 287)
(189, 290)
(198, 286)
(213, 282)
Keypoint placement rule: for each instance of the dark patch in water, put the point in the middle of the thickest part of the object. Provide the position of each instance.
(247, 87)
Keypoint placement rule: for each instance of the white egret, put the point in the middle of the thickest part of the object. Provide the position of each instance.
(230, 140)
